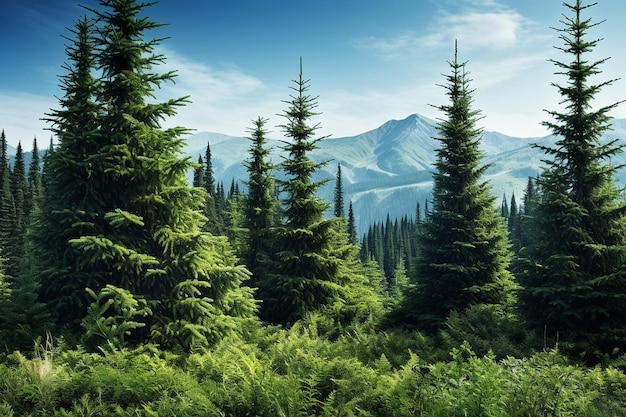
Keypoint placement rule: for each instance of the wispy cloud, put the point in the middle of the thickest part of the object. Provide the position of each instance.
(476, 30)
(477, 25)
(21, 118)
(222, 99)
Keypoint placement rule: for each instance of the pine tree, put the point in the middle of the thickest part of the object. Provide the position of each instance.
(7, 209)
(504, 210)
(4, 160)
(18, 190)
(198, 173)
(464, 253)
(305, 269)
(418, 213)
(513, 226)
(69, 203)
(209, 180)
(8, 221)
(260, 203)
(34, 183)
(351, 226)
(132, 224)
(339, 210)
(215, 203)
(574, 275)
(530, 196)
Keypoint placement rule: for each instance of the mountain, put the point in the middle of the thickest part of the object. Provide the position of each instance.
(388, 170)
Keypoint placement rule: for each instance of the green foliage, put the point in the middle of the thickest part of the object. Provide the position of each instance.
(297, 372)
(118, 216)
(110, 317)
(463, 247)
(573, 268)
(260, 205)
(487, 328)
(306, 267)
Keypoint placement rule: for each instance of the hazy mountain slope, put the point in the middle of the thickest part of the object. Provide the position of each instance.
(389, 169)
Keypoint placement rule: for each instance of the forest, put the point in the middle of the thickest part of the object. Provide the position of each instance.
(126, 290)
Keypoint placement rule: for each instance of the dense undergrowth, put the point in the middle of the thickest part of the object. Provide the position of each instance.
(300, 372)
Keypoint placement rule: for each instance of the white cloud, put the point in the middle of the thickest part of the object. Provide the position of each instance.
(223, 100)
(481, 25)
(476, 30)
(21, 118)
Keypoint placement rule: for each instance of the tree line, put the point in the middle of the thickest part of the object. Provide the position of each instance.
(110, 245)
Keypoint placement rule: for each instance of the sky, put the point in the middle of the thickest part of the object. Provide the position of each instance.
(368, 61)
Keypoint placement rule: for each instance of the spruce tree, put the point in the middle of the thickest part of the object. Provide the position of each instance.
(504, 208)
(70, 192)
(339, 210)
(464, 254)
(34, 183)
(305, 270)
(198, 173)
(131, 224)
(260, 203)
(18, 189)
(574, 274)
(351, 226)
(4, 160)
(8, 221)
(208, 179)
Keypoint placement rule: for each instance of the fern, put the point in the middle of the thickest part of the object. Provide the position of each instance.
(111, 316)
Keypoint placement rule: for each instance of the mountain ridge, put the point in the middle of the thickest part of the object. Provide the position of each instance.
(386, 170)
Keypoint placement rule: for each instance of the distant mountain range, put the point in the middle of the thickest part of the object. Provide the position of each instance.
(388, 170)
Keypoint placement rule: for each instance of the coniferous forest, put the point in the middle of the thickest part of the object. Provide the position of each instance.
(126, 290)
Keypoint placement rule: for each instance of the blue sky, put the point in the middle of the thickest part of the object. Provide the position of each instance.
(368, 60)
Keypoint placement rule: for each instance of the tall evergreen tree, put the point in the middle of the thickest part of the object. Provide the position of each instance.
(135, 232)
(34, 182)
(198, 173)
(464, 254)
(574, 277)
(18, 189)
(504, 210)
(4, 160)
(305, 269)
(215, 207)
(209, 179)
(514, 227)
(70, 189)
(339, 210)
(351, 226)
(530, 196)
(260, 203)
(8, 219)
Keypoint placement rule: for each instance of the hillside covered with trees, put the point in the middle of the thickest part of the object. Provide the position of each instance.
(126, 290)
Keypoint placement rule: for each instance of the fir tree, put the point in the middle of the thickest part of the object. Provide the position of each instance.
(18, 190)
(351, 226)
(4, 161)
(574, 274)
(260, 203)
(464, 253)
(504, 210)
(34, 183)
(513, 226)
(69, 203)
(198, 173)
(305, 269)
(339, 210)
(8, 221)
(530, 197)
(214, 204)
(208, 179)
(137, 229)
